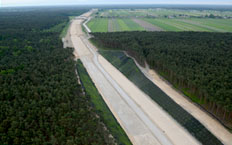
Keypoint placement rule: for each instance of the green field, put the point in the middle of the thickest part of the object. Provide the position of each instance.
(129, 25)
(132, 26)
(113, 25)
(98, 25)
(101, 107)
(188, 24)
(193, 24)
(166, 19)
(161, 24)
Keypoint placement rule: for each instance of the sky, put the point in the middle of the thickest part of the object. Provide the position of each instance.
(84, 2)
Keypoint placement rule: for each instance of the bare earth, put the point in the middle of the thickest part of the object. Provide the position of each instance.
(147, 26)
(210, 123)
(67, 42)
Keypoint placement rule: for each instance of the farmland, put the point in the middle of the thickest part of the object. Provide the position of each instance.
(162, 19)
(161, 12)
(98, 25)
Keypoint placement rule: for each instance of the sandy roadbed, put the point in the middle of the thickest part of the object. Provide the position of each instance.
(135, 128)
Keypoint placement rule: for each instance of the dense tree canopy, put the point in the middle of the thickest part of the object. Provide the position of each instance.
(40, 99)
(197, 62)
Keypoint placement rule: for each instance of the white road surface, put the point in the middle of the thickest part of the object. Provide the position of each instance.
(144, 121)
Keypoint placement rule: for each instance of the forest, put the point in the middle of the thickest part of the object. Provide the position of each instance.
(197, 63)
(41, 101)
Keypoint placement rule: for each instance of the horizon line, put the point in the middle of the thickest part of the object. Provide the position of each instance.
(4, 6)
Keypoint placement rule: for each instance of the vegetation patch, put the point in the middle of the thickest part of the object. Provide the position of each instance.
(98, 25)
(41, 101)
(101, 108)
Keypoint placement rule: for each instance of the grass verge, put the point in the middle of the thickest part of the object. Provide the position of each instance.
(101, 108)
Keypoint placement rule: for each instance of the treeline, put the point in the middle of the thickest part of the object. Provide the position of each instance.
(198, 63)
(40, 99)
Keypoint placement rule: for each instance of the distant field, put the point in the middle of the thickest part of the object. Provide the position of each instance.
(161, 12)
(188, 24)
(113, 25)
(98, 25)
(161, 19)
(193, 24)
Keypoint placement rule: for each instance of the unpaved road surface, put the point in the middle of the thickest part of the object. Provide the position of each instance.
(144, 121)
(67, 42)
(147, 26)
(210, 123)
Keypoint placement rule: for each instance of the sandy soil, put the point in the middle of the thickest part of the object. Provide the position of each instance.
(147, 26)
(210, 123)
(67, 42)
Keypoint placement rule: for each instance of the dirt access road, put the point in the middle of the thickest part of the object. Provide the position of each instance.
(144, 121)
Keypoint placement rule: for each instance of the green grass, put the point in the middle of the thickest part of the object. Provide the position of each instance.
(71, 17)
(192, 24)
(130, 70)
(163, 25)
(123, 25)
(188, 24)
(101, 25)
(61, 28)
(101, 107)
(132, 25)
(65, 30)
(116, 27)
(224, 24)
(98, 25)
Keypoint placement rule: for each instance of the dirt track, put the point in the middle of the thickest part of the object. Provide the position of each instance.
(143, 120)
